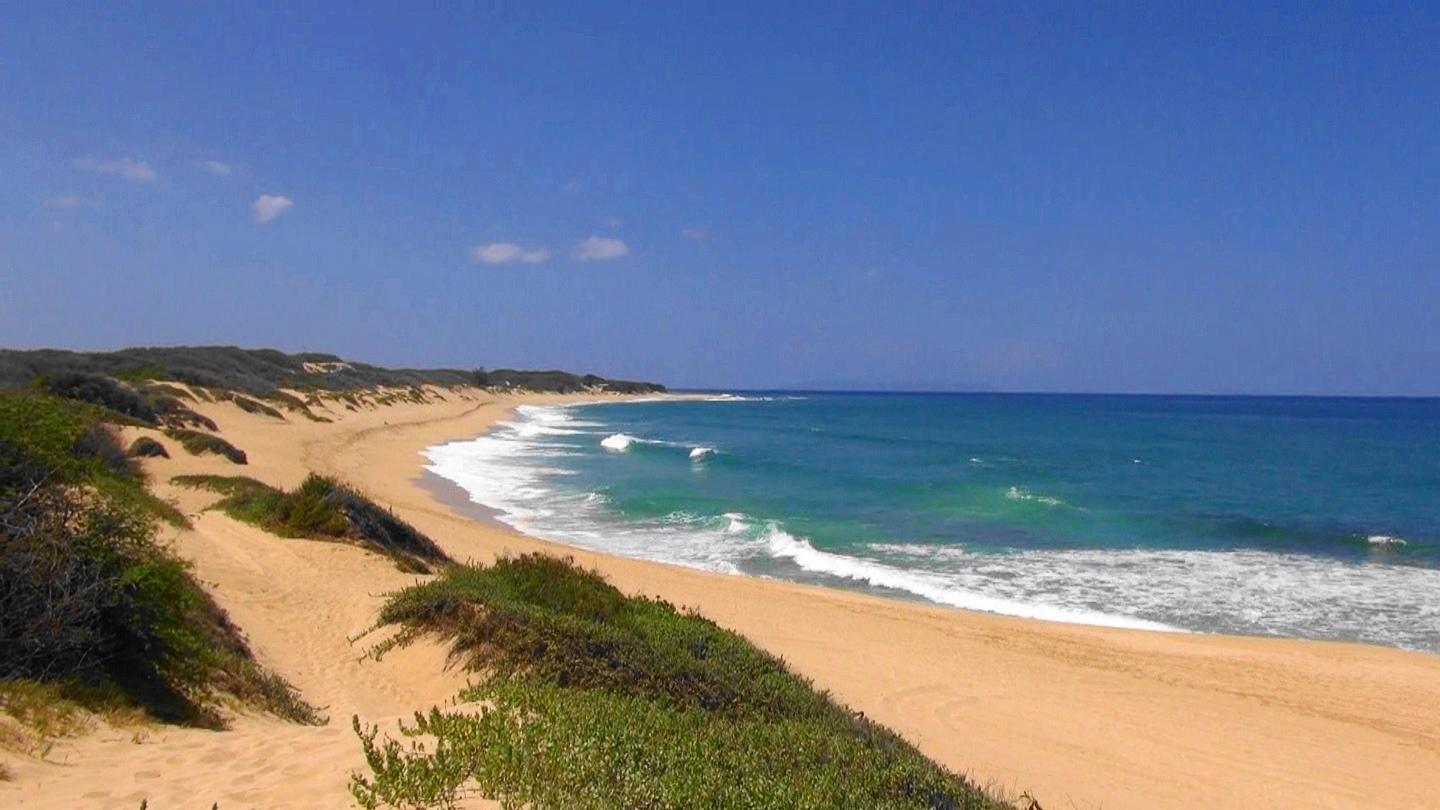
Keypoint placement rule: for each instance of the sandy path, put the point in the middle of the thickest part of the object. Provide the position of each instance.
(1080, 716)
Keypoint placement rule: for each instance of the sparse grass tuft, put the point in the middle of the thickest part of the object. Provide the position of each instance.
(50, 710)
(598, 700)
(323, 509)
(249, 405)
(197, 443)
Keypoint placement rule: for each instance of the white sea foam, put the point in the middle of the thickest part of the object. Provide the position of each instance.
(697, 453)
(517, 471)
(1018, 494)
(618, 442)
(511, 470)
(1253, 592)
(736, 522)
(936, 587)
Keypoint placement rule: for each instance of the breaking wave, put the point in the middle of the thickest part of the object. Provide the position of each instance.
(520, 469)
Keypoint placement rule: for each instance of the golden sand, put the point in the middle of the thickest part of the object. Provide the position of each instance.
(1078, 716)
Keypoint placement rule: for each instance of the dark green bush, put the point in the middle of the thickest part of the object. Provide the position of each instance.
(322, 509)
(263, 371)
(88, 599)
(253, 405)
(69, 438)
(98, 389)
(146, 447)
(598, 700)
(172, 412)
(197, 443)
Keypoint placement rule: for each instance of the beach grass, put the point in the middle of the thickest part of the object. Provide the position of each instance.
(595, 699)
(198, 443)
(322, 509)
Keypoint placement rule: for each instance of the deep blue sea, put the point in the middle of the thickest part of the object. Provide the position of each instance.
(1307, 517)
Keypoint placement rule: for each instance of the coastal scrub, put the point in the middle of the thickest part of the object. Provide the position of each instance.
(594, 699)
(91, 604)
(322, 509)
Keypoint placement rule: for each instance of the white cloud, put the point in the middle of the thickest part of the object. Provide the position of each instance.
(507, 253)
(216, 168)
(270, 206)
(597, 248)
(136, 171)
(695, 233)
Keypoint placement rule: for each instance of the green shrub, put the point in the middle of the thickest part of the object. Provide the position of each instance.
(263, 371)
(146, 447)
(197, 443)
(598, 700)
(69, 439)
(88, 599)
(143, 373)
(322, 509)
(254, 406)
(291, 402)
(541, 617)
(98, 389)
(172, 412)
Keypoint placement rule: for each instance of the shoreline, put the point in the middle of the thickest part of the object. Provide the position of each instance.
(875, 578)
(1078, 715)
(1168, 688)
(454, 495)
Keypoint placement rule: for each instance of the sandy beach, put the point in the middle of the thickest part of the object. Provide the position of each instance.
(1078, 716)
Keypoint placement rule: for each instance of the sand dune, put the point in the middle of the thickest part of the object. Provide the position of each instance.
(1079, 716)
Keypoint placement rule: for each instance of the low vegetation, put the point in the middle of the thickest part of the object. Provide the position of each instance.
(197, 443)
(91, 605)
(262, 372)
(323, 509)
(116, 400)
(244, 403)
(103, 391)
(146, 447)
(597, 700)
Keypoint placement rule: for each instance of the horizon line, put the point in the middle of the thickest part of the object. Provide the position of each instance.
(1049, 393)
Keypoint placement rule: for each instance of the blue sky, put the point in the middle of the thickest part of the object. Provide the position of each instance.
(1075, 197)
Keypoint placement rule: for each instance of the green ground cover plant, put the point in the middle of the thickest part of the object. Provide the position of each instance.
(593, 699)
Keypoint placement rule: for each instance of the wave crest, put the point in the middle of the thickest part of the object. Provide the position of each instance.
(617, 442)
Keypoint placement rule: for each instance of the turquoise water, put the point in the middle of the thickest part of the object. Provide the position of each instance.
(1301, 517)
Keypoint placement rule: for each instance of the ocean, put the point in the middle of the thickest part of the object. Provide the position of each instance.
(1302, 517)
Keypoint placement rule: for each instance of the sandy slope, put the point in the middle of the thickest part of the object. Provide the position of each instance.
(1083, 717)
